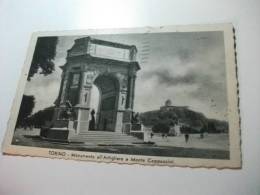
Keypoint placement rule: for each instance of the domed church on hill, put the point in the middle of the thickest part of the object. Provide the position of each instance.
(168, 106)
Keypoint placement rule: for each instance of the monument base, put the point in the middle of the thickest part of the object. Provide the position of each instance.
(61, 131)
(61, 134)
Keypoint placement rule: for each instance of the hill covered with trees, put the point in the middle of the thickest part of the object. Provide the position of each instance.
(189, 120)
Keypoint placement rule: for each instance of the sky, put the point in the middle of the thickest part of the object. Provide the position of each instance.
(186, 67)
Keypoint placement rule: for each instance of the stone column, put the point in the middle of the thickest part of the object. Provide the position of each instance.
(57, 102)
(84, 104)
(120, 110)
(61, 97)
(133, 92)
(129, 93)
(64, 87)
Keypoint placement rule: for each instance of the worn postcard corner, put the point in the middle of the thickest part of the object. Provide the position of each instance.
(163, 96)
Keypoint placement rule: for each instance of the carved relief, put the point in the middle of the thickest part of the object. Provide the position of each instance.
(106, 68)
(122, 78)
(124, 83)
(85, 97)
(90, 76)
(122, 101)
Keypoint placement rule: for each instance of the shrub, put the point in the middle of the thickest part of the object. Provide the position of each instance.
(161, 128)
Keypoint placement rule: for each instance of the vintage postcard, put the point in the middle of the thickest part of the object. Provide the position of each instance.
(151, 96)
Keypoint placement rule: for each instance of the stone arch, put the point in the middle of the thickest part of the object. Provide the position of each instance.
(116, 72)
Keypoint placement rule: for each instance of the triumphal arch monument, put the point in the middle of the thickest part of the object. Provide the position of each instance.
(112, 68)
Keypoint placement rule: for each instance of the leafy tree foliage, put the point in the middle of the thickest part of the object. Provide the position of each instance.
(40, 118)
(154, 117)
(211, 126)
(45, 51)
(26, 109)
(161, 128)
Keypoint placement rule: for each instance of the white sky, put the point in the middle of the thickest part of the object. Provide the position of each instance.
(188, 68)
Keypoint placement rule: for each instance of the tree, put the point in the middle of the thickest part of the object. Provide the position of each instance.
(41, 117)
(211, 127)
(26, 109)
(161, 128)
(45, 51)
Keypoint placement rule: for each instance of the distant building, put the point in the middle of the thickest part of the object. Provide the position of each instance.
(168, 106)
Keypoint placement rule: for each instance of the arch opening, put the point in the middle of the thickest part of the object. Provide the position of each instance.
(94, 107)
(104, 100)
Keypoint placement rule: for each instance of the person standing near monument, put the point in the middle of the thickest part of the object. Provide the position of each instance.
(186, 137)
(92, 123)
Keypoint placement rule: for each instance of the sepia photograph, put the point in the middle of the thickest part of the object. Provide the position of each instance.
(153, 96)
